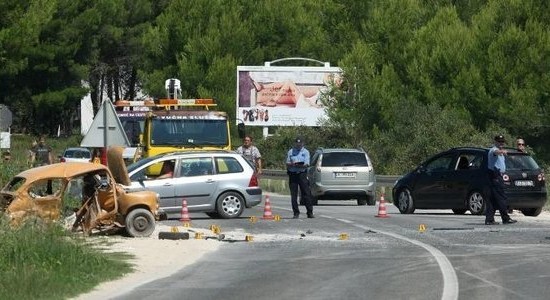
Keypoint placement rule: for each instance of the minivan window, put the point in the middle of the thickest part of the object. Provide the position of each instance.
(341, 159)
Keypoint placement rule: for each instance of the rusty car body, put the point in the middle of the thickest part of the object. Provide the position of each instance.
(88, 191)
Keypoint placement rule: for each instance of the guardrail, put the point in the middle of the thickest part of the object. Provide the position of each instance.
(381, 180)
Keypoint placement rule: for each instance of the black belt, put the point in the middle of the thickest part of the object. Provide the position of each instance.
(295, 173)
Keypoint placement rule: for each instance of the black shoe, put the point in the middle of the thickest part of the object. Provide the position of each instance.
(509, 221)
(491, 223)
(310, 215)
(296, 216)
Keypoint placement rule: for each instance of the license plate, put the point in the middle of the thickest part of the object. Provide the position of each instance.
(524, 183)
(344, 175)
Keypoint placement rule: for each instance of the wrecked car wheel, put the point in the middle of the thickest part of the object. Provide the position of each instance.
(140, 223)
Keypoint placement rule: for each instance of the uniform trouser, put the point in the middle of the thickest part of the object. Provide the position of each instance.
(497, 199)
(296, 180)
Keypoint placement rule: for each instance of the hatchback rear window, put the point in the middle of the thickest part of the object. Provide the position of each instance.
(520, 162)
(341, 159)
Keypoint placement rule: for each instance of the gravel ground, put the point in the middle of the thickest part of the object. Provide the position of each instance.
(154, 259)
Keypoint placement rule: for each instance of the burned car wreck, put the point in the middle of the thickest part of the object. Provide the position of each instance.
(88, 192)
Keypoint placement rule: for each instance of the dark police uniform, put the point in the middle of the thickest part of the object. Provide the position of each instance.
(498, 199)
(297, 161)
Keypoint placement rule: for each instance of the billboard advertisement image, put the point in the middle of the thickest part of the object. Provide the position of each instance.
(283, 96)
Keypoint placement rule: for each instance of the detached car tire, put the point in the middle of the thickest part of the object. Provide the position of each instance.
(173, 235)
(140, 223)
(230, 205)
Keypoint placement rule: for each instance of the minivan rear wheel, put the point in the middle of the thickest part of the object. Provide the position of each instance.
(531, 212)
(362, 201)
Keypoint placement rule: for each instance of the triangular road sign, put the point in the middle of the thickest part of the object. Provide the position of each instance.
(106, 129)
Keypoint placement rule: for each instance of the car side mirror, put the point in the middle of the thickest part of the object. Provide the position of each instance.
(141, 179)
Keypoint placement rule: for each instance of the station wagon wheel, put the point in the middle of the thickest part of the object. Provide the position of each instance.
(476, 203)
(405, 202)
(230, 205)
(140, 223)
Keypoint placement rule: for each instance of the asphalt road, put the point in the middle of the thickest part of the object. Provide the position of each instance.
(348, 253)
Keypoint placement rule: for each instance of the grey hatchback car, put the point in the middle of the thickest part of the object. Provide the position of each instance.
(218, 183)
(342, 174)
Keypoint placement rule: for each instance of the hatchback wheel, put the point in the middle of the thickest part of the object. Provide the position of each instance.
(531, 212)
(230, 205)
(405, 202)
(476, 203)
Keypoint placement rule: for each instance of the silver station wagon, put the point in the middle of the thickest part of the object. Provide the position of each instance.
(218, 183)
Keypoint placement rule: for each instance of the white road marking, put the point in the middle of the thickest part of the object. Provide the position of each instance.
(450, 280)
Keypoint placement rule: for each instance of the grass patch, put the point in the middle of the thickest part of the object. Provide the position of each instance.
(43, 261)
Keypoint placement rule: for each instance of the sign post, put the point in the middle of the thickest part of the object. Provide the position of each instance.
(106, 130)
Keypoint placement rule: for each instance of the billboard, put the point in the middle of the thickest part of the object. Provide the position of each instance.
(282, 95)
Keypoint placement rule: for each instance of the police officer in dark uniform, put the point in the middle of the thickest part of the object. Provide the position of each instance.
(297, 161)
(497, 168)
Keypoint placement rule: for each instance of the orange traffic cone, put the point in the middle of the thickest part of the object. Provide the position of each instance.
(382, 208)
(184, 212)
(267, 209)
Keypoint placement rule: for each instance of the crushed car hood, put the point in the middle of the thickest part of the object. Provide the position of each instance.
(117, 165)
